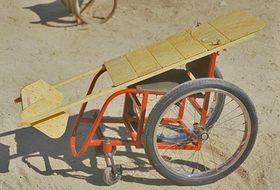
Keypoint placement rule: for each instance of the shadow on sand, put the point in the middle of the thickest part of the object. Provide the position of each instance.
(52, 14)
(32, 143)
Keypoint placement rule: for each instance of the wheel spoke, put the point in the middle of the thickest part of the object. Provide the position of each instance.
(228, 120)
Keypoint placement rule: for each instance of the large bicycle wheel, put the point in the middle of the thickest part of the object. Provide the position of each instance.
(187, 151)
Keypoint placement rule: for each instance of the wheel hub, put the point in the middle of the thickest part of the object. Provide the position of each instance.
(199, 132)
(204, 135)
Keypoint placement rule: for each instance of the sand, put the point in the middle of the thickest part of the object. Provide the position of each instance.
(30, 49)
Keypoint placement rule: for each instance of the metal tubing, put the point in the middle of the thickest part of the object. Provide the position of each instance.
(142, 116)
(94, 126)
(207, 94)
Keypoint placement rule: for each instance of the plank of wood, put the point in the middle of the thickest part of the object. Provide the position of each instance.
(38, 98)
(120, 70)
(62, 108)
(142, 61)
(208, 36)
(186, 45)
(39, 90)
(165, 53)
(33, 119)
(39, 107)
(77, 77)
(237, 24)
(54, 127)
(25, 99)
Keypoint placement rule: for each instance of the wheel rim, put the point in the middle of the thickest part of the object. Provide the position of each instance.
(219, 152)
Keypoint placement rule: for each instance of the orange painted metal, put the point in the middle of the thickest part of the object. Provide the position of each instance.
(142, 117)
(182, 109)
(207, 94)
(195, 104)
(177, 147)
(212, 65)
(107, 146)
(135, 123)
(127, 118)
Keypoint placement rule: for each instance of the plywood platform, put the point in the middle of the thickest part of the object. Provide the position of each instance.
(40, 97)
(178, 49)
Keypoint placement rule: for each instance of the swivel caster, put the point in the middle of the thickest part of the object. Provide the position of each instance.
(110, 177)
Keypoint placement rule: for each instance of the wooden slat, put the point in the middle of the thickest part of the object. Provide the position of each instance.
(237, 24)
(40, 90)
(142, 62)
(54, 127)
(165, 53)
(77, 77)
(120, 70)
(208, 36)
(38, 108)
(186, 45)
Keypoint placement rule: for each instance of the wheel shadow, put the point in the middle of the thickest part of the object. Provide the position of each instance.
(52, 14)
(31, 143)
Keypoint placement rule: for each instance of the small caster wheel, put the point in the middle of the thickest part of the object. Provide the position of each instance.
(109, 177)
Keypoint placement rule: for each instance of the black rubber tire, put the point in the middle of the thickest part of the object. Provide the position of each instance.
(109, 178)
(213, 117)
(175, 94)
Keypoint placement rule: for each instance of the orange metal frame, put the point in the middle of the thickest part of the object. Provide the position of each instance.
(138, 120)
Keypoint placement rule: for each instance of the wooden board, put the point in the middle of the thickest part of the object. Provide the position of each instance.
(38, 98)
(165, 53)
(77, 77)
(54, 127)
(39, 90)
(186, 45)
(120, 70)
(38, 107)
(202, 39)
(237, 24)
(142, 61)
(208, 36)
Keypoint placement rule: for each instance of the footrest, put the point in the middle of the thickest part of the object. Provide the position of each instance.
(40, 97)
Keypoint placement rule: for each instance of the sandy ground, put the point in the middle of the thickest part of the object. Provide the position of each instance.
(31, 50)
